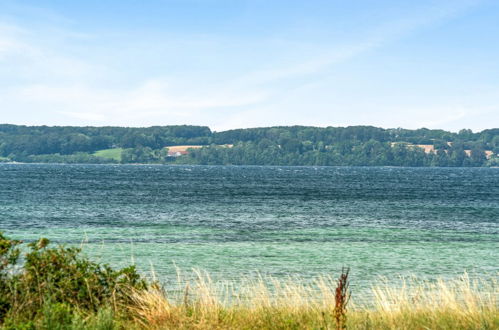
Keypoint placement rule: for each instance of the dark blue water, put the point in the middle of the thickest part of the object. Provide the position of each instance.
(275, 220)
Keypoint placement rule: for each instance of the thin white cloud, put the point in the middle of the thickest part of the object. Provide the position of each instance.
(87, 116)
(384, 34)
(151, 99)
(456, 117)
(9, 43)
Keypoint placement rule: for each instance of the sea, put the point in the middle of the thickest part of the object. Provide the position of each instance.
(246, 221)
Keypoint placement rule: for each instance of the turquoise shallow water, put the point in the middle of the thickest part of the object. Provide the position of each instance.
(280, 221)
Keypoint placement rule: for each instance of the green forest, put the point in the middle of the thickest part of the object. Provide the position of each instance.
(292, 145)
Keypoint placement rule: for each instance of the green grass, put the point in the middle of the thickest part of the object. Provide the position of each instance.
(114, 153)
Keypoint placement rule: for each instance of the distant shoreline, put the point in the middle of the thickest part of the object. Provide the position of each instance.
(233, 165)
(269, 146)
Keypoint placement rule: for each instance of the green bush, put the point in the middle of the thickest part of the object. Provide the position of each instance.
(52, 284)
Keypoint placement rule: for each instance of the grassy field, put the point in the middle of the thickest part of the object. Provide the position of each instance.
(57, 288)
(114, 153)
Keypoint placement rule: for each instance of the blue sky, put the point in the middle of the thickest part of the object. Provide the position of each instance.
(231, 64)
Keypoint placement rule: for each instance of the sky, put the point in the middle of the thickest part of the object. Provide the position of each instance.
(236, 64)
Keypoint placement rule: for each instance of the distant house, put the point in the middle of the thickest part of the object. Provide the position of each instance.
(177, 151)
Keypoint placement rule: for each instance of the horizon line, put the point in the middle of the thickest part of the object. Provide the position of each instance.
(255, 127)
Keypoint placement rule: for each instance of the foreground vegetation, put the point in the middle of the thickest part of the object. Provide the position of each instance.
(57, 288)
(294, 145)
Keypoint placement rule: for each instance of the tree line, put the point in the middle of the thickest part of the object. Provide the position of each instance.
(291, 145)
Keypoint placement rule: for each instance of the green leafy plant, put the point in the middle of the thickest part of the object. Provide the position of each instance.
(60, 278)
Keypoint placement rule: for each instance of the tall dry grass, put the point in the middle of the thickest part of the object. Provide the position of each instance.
(268, 303)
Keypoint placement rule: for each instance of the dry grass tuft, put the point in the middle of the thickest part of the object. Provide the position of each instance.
(267, 303)
(461, 303)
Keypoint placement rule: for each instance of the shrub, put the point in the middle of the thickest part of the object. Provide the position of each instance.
(60, 278)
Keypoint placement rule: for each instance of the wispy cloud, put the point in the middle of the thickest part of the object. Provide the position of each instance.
(152, 99)
(9, 43)
(383, 34)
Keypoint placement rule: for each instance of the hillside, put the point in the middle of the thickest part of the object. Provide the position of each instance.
(293, 145)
